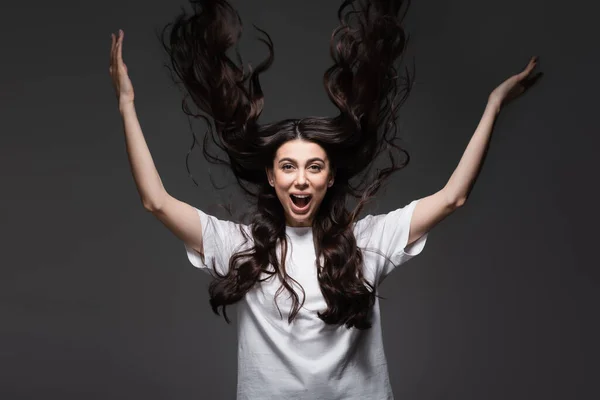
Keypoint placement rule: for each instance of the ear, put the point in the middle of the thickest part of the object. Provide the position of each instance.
(270, 177)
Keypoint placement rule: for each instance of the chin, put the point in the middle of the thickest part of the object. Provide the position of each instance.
(305, 220)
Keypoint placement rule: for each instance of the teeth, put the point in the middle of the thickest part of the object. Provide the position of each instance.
(304, 196)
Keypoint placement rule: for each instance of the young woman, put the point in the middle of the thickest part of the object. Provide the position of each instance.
(305, 270)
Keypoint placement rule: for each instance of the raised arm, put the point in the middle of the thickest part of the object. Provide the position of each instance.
(432, 209)
(181, 218)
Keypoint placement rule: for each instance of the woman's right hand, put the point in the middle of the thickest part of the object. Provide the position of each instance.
(118, 71)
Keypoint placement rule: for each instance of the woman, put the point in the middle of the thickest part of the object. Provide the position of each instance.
(305, 270)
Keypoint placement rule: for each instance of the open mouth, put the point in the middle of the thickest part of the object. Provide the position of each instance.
(301, 201)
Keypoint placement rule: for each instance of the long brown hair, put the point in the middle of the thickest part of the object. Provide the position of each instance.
(368, 90)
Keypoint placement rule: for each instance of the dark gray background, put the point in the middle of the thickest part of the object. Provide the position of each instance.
(98, 300)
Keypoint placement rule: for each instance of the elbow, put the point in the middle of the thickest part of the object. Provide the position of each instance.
(453, 200)
(151, 206)
(154, 205)
(460, 202)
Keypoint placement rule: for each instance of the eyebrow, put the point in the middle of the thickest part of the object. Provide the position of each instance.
(307, 161)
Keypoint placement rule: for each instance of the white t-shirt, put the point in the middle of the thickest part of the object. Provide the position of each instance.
(309, 359)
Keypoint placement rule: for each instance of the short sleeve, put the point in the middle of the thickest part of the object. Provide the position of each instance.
(383, 238)
(220, 240)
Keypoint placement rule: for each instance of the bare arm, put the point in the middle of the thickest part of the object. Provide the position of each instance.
(150, 187)
(181, 218)
(431, 210)
(434, 208)
(461, 182)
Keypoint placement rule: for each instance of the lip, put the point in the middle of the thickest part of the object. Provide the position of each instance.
(300, 210)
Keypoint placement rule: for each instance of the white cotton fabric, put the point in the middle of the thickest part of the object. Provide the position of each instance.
(309, 359)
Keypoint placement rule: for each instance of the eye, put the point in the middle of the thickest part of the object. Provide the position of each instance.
(316, 167)
(285, 167)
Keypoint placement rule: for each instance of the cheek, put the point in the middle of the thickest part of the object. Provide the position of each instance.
(282, 181)
(282, 185)
(323, 184)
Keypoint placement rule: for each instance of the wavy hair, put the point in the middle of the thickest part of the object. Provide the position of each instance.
(365, 86)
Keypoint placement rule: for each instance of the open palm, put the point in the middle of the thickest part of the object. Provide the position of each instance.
(516, 85)
(118, 70)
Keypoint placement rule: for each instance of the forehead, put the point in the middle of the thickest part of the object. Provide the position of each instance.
(300, 150)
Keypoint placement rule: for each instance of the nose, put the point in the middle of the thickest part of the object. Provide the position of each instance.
(301, 179)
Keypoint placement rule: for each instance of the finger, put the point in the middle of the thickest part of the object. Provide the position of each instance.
(115, 60)
(120, 47)
(115, 53)
(530, 66)
(112, 50)
(533, 62)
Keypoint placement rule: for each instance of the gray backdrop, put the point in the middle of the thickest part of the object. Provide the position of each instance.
(98, 300)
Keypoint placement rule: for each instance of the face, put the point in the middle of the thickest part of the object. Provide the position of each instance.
(301, 175)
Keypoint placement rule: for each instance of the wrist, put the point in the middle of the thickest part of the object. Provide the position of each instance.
(125, 105)
(494, 105)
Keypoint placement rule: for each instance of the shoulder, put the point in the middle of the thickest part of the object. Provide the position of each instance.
(374, 225)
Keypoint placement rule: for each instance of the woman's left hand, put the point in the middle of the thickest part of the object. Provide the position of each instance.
(515, 85)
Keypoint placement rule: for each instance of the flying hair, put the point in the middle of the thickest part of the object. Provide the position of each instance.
(364, 83)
